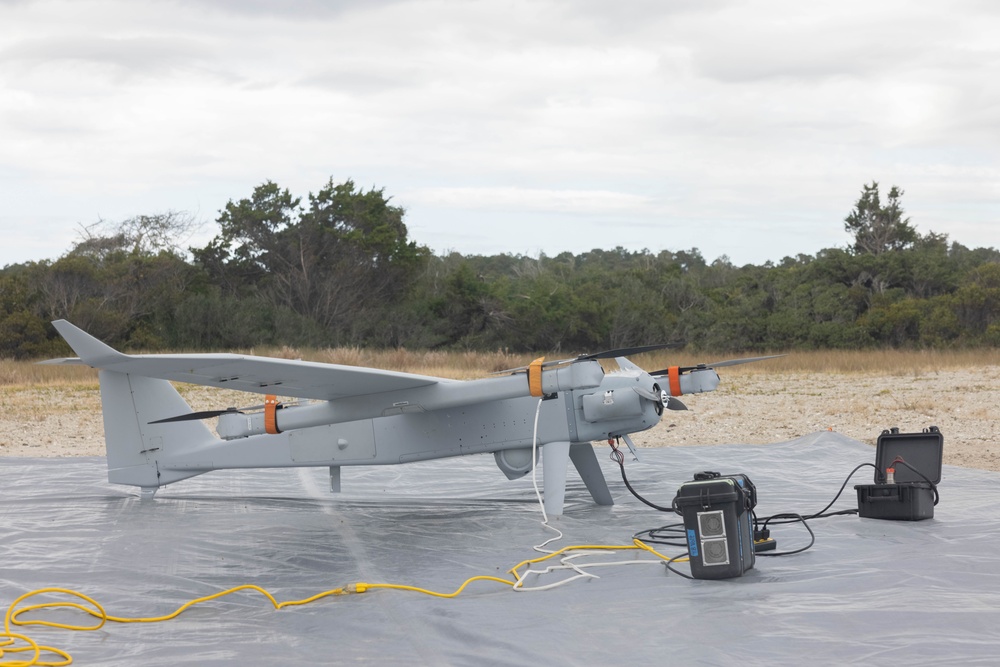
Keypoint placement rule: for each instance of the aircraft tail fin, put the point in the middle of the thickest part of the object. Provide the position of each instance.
(92, 351)
(129, 403)
(134, 446)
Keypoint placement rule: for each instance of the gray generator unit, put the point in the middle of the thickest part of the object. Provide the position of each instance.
(718, 523)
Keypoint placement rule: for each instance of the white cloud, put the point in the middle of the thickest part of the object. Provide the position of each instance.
(746, 128)
(587, 202)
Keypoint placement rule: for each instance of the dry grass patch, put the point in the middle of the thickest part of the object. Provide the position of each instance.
(466, 364)
(868, 362)
(22, 373)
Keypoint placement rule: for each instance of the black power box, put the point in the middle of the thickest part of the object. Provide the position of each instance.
(907, 472)
(718, 522)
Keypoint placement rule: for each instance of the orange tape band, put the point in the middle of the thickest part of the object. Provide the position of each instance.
(270, 416)
(535, 377)
(674, 373)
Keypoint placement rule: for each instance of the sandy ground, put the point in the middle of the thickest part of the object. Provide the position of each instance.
(748, 408)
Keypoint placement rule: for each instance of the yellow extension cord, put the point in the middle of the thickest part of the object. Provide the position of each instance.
(9, 639)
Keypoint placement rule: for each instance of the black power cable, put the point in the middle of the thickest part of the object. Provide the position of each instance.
(777, 519)
(672, 535)
(793, 518)
(934, 488)
(677, 572)
(618, 457)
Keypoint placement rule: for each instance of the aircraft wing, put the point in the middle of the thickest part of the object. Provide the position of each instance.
(260, 375)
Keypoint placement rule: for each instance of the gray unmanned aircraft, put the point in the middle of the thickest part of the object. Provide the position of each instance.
(349, 415)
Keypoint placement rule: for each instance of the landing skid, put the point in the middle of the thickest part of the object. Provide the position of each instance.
(555, 462)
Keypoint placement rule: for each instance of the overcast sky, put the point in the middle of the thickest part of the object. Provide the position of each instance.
(744, 129)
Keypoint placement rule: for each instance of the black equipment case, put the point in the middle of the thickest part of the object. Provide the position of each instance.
(718, 524)
(911, 496)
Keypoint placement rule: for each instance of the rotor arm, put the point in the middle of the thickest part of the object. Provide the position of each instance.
(696, 381)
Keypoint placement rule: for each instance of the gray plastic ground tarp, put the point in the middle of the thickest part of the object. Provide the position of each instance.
(868, 592)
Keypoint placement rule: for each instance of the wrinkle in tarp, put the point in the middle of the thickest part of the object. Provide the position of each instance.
(869, 591)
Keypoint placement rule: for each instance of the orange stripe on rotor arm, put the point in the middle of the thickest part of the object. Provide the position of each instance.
(674, 374)
(270, 416)
(535, 377)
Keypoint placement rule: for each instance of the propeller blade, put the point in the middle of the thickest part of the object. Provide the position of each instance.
(627, 351)
(208, 414)
(661, 398)
(521, 369)
(717, 364)
(192, 416)
(737, 362)
(606, 354)
(674, 404)
(649, 395)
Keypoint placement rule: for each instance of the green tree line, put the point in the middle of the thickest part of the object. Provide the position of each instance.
(340, 269)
